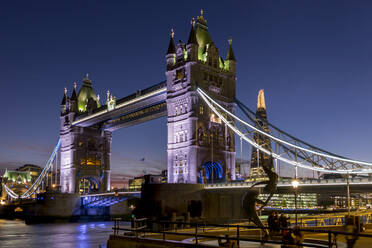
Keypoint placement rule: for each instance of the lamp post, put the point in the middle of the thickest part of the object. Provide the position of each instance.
(348, 194)
(295, 184)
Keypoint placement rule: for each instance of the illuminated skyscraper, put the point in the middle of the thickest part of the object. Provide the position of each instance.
(259, 158)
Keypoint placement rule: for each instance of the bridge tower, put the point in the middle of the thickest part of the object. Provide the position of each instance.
(200, 148)
(259, 158)
(85, 151)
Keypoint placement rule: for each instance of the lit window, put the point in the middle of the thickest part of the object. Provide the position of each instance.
(179, 74)
(214, 119)
(201, 110)
(90, 161)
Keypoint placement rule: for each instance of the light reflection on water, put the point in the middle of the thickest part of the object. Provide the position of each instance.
(15, 233)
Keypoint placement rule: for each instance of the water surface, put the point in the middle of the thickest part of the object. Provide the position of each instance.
(15, 233)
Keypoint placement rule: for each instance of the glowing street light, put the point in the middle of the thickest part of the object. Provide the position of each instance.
(295, 183)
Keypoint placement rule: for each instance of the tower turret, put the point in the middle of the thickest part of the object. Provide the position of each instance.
(230, 62)
(171, 53)
(86, 95)
(192, 44)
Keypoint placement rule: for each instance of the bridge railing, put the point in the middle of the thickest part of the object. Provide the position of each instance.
(233, 233)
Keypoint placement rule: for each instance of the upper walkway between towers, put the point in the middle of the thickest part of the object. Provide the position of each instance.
(145, 104)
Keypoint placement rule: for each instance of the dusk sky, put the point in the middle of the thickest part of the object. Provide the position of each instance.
(312, 58)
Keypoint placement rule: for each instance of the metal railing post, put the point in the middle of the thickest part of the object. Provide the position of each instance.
(196, 233)
(163, 231)
(237, 235)
(330, 239)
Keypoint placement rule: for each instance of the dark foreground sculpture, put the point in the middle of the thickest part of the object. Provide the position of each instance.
(250, 198)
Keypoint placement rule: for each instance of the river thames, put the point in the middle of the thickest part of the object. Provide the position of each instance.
(15, 233)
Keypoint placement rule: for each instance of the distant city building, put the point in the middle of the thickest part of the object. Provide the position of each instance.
(260, 158)
(136, 183)
(17, 181)
(33, 169)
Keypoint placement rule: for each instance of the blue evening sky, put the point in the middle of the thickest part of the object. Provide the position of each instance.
(312, 58)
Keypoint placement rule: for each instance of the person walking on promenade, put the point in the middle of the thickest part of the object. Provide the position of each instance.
(351, 228)
(276, 225)
(283, 221)
(270, 222)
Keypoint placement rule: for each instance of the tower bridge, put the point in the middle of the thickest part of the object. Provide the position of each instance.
(194, 137)
(198, 98)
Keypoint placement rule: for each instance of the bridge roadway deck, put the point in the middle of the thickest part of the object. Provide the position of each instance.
(112, 194)
(107, 199)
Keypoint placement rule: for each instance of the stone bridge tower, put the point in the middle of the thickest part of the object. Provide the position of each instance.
(200, 148)
(85, 151)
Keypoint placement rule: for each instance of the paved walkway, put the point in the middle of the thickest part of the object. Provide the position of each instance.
(244, 244)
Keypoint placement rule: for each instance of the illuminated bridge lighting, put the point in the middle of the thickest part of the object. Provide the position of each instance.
(341, 165)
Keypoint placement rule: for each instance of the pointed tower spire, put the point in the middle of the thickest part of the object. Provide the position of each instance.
(230, 53)
(87, 81)
(201, 18)
(261, 100)
(172, 46)
(74, 95)
(64, 99)
(192, 44)
(192, 36)
(171, 53)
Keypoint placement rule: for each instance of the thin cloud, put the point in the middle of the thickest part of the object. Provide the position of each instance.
(135, 167)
